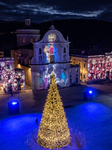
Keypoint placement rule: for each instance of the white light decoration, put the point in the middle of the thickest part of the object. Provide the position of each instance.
(23, 77)
(2, 64)
(19, 74)
(15, 84)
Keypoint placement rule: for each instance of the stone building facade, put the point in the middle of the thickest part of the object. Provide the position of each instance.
(9, 75)
(95, 65)
(51, 54)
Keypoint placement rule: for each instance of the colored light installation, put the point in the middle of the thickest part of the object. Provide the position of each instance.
(14, 103)
(53, 130)
(90, 92)
(50, 49)
(13, 107)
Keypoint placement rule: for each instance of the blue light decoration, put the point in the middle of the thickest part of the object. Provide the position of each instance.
(14, 103)
(13, 107)
(90, 92)
(63, 77)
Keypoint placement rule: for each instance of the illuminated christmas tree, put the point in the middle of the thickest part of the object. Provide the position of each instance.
(53, 130)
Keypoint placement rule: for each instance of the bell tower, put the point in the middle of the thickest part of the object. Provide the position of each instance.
(27, 21)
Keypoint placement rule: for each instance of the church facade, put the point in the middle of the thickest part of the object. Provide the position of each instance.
(51, 54)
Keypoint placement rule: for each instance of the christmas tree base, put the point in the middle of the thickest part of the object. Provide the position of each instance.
(77, 142)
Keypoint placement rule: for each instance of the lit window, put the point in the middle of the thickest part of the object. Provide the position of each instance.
(0, 78)
(8, 76)
(8, 66)
(23, 40)
(31, 40)
(40, 51)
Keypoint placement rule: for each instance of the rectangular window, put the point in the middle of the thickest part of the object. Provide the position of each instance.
(96, 64)
(31, 40)
(96, 76)
(0, 77)
(8, 66)
(40, 51)
(91, 66)
(23, 40)
(8, 76)
(111, 75)
(0, 67)
(84, 65)
(101, 75)
(108, 64)
(84, 76)
(101, 65)
(76, 70)
(64, 50)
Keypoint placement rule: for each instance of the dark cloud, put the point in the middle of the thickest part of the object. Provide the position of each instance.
(45, 9)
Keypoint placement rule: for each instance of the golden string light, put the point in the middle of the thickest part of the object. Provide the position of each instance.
(53, 130)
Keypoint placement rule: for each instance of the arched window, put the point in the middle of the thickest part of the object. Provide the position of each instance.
(40, 51)
(64, 50)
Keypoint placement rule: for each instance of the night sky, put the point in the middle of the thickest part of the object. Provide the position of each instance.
(47, 10)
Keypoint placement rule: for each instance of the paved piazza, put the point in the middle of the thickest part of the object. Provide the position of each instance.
(93, 118)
